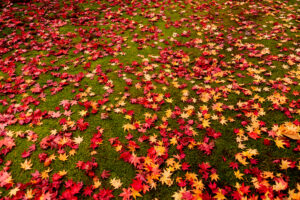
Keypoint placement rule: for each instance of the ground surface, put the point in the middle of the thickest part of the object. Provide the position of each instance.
(149, 99)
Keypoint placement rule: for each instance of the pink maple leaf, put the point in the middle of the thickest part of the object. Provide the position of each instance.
(126, 194)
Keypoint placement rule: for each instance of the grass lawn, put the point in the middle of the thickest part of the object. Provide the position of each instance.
(149, 99)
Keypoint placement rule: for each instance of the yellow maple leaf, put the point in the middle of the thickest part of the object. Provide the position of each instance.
(166, 177)
(223, 120)
(279, 143)
(52, 157)
(198, 184)
(186, 59)
(285, 164)
(214, 177)
(118, 148)
(249, 153)
(13, 191)
(177, 166)
(45, 173)
(26, 165)
(290, 130)
(168, 113)
(94, 105)
(169, 100)
(170, 162)
(127, 127)
(219, 195)
(191, 176)
(129, 117)
(29, 194)
(153, 138)
(83, 113)
(63, 157)
(135, 193)
(160, 150)
(78, 140)
(218, 107)
(72, 152)
(62, 173)
(268, 174)
(116, 183)
(148, 115)
(293, 195)
(185, 92)
(173, 141)
(184, 98)
(63, 141)
(241, 159)
(184, 115)
(238, 175)
(280, 184)
(159, 98)
(53, 132)
(177, 196)
(241, 132)
(97, 184)
(206, 123)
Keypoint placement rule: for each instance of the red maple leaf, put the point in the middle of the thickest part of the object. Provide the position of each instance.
(126, 193)
(134, 160)
(185, 166)
(233, 165)
(4, 176)
(126, 156)
(87, 191)
(67, 194)
(8, 142)
(76, 187)
(105, 174)
(82, 125)
(104, 194)
(253, 135)
(245, 189)
(137, 184)
(25, 154)
(236, 195)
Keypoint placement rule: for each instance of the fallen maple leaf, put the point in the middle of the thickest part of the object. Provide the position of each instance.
(116, 183)
(290, 130)
(26, 165)
(78, 140)
(13, 192)
(285, 164)
(105, 174)
(126, 194)
(5, 178)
